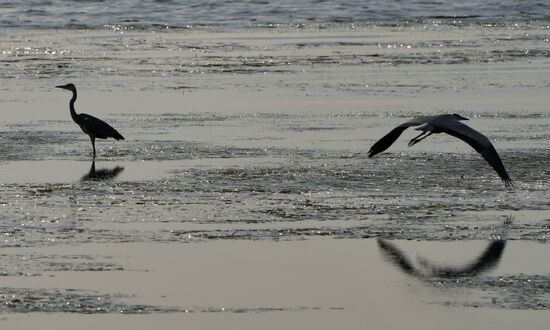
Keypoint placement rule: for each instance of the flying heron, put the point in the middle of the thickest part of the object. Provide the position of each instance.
(451, 125)
(94, 127)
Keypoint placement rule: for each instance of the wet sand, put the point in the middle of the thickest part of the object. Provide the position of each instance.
(299, 284)
(243, 196)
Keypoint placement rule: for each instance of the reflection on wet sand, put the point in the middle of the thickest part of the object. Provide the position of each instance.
(484, 262)
(102, 174)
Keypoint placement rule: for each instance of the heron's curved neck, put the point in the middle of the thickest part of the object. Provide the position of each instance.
(71, 106)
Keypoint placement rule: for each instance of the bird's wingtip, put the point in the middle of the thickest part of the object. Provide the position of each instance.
(508, 183)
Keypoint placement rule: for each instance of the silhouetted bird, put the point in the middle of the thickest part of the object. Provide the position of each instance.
(94, 127)
(451, 125)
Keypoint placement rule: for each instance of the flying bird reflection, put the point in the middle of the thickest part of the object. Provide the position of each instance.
(484, 262)
(102, 174)
(451, 125)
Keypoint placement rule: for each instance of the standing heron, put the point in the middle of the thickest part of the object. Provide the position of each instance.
(94, 127)
(451, 125)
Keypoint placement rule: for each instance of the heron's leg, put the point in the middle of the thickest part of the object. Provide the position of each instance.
(93, 143)
(416, 139)
(92, 169)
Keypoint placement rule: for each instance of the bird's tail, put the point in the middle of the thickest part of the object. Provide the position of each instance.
(117, 135)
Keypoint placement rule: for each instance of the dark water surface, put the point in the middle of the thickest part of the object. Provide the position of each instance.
(256, 13)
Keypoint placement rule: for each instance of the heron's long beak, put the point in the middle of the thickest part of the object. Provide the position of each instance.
(61, 86)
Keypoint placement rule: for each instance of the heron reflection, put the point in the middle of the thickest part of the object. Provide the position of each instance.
(102, 174)
(484, 262)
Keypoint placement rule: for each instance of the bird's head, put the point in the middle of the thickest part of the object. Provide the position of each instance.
(459, 117)
(69, 86)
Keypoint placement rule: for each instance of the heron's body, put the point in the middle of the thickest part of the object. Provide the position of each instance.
(94, 127)
(451, 125)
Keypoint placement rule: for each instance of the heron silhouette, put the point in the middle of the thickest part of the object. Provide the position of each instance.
(94, 127)
(451, 125)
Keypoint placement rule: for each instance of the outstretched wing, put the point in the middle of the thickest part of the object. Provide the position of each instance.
(477, 141)
(487, 260)
(396, 256)
(387, 140)
(98, 127)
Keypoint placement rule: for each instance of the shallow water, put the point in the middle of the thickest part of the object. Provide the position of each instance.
(322, 279)
(257, 139)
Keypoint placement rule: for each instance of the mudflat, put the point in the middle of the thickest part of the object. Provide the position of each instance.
(243, 196)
